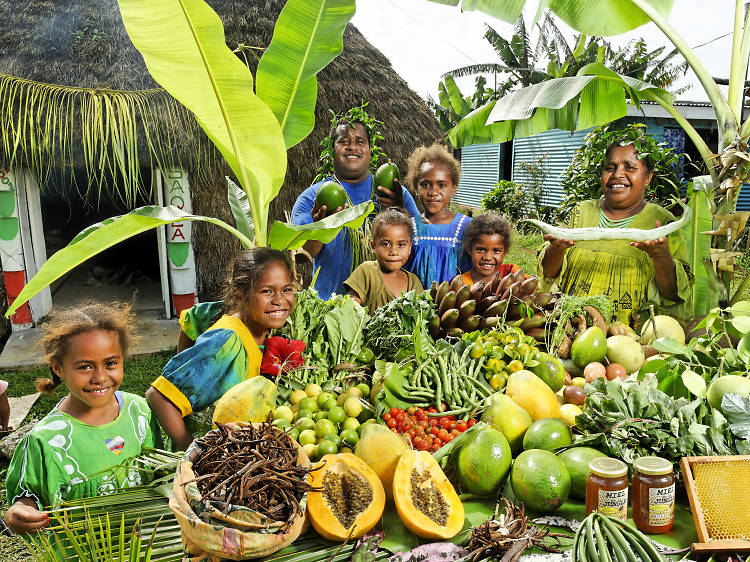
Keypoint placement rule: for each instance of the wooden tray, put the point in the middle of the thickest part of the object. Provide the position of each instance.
(708, 543)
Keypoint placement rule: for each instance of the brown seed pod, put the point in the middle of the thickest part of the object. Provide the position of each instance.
(535, 321)
(462, 295)
(597, 319)
(528, 286)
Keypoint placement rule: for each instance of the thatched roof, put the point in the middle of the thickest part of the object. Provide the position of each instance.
(84, 44)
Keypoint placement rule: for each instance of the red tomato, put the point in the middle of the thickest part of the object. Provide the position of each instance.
(395, 411)
(449, 438)
(424, 424)
(391, 423)
(431, 410)
(461, 425)
(419, 429)
(445, 423)
(387, 417)
(412, 431)
(421, 415)
(435, 430)
(401, 416)
(471, 422)
(443, 434)
(437, 442)
(455, 432)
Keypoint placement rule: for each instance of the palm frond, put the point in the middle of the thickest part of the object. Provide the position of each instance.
(482, 68)
(46, 126)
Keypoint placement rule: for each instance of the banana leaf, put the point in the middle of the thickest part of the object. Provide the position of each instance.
(596, 95)
(699, 245)
(286, 236)
(459, 105)
(240, 207)
(308, 35)
(103, 235)
(593, 17)
(183, 45)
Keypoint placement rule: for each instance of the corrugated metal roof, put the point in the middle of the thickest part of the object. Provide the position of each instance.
(559, 147)
(480, 171)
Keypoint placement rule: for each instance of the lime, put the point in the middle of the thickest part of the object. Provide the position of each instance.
(306, 437)
(309, 404)
(349, 437)
(319, 416)
(293, 433)
(350, 423)
(283, 413)
(296, 396)
(332, 437)
(311, 450)
(352, 407)
(366, 356)
(305, 423)
(330, 403)
(313, 390)
(337, 414)
(364, 388)
(323, 427)
(303, 414)
(281, 423)
(322, 398)
(327, 447)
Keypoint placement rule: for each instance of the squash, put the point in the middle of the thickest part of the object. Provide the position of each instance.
(249, 401)
(425, 500)
(352, 496)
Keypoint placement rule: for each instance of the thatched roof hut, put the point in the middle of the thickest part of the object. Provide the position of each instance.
(84, 44)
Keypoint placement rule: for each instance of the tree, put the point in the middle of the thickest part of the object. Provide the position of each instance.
(452, 105)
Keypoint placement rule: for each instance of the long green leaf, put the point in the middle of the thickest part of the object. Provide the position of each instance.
(594, 17)
(308, 35)
(456, 98)
(183, 45)
(99, 237)
(240, 207)
(285, 236)
(699, 245)
(594, 97)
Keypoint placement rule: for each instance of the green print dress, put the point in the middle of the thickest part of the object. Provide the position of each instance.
(62, 458)
(614, 268)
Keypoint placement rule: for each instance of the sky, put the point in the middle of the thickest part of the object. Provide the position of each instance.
(423, 39)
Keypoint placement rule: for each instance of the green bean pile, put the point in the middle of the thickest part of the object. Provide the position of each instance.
(450, 378)
(601, 538)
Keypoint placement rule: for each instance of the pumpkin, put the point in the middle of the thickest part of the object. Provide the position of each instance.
(352, 496)
(426, 501)
(249, 401)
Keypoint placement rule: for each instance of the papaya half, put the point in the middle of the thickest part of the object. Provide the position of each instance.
(351, 500)
(425, 499)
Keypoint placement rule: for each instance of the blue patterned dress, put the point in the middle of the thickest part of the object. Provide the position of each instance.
(436, 253)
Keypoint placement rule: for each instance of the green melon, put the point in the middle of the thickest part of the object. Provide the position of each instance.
(540, 480)
(483, 463)
(385, 174)
(548, 434)
(576, 460)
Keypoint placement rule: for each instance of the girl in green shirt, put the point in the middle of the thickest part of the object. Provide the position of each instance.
(83, 446)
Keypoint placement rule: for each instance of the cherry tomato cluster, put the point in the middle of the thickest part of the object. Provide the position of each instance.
(427, 433)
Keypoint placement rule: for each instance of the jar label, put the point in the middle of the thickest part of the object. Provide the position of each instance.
(614, 503)
(660, 506)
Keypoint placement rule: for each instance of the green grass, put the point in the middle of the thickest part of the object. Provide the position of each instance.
(523, 251)
(139, 374)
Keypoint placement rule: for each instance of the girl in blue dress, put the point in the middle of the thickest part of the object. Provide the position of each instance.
(436, 253)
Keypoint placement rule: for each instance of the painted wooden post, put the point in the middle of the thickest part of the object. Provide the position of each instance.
(182, 276)
(11, 249)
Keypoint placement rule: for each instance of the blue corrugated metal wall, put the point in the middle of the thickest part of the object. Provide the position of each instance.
(559, 147)
(480, 171)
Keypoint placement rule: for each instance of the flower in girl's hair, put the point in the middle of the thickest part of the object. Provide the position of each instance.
(281, 355)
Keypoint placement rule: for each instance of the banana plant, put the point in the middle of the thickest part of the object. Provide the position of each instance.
(183, 46)
(571, 104)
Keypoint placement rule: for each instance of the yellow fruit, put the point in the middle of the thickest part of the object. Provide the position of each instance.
(568, 413)
(249, 401)
(509, 418)
(515, 366)
(533, 395)
(666, 327)
(578, 381)
(381, 449)
(625, 351)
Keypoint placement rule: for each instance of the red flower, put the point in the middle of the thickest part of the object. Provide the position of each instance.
(281, 355)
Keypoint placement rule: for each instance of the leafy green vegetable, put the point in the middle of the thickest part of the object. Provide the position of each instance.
(737, 410)
(393, 325)
(631, 418)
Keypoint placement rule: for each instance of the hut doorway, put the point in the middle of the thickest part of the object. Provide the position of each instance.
(130, 270)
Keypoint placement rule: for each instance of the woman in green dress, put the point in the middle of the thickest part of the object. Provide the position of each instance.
(631, 274)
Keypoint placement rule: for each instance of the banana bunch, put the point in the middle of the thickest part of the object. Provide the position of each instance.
(466, 308)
